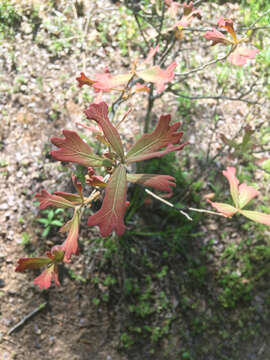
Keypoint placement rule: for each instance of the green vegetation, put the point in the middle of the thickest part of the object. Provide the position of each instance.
(50, 219)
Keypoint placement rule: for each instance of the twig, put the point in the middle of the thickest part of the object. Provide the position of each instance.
(181, 211)
(259, 18)
(199, 68)
(27, 317)
(141, 30)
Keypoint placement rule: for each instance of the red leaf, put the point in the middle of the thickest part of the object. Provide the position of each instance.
(99, 113)
(45, 278)
(217, 37)
(158, 76)
(84, 80)
(32, 263)
(163, 135)
(75, 199)
(228, 25)
(229, 173)
(70, 245)
(225, 209)
(60, 200)
(55, 256)
(94, 180)
(74, 149)
(246, 193)
(241, 55)
(107, 82)
(159, 182)
(111, 215)
(189, 13)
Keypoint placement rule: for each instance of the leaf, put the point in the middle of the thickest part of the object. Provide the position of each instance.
(217, 37)
(110, 216)
(241, 55)
(159, 182)
(74, 149)
(228, 25)
(84, 80)
(45, 278)
(78, 186)
(256, 216)
(57, 223)
(107, 82)
(246, 193)
(158, 76)
(32, 263)
(225, 209)
(163, 135)
(46, 199)
(70, 245)
(229, 173)
(99, 113)
(189, 13)
(75, 199)
(55, 256)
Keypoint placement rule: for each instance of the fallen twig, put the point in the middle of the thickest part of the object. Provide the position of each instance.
(27, 317)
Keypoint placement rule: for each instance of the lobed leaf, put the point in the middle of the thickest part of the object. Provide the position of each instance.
(32, 263)
(163, 135)
(70, 245)
(107, 82)
(158, 76)
(60, 200)
(217, 37)
(159, 182)
(75, 199)
(228, 25)
(110, 217)
(225, 209)
(45, 278)
(72, 148)
(99, 113)
(84, 80)
(246, 193)
(241, 55)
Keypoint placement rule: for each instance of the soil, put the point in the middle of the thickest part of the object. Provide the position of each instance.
(39, 98)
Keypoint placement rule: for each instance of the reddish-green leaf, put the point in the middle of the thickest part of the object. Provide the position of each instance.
(246, 193)
(159, 182)
(217, 37)
(75, 199)
(107, 82)
(73, 148)
(111, 215)
(225, 209)
(99, 113)
(158, 76)
(229, 173)
(32, 263)
(164, 135)
(55, 256)
(60, 200)
(241, 55)
(256, 216)
(45, 278)
(84, 80)
(70, 245)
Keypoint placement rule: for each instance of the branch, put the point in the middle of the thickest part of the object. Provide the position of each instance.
(199, 68)
(181, 211)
